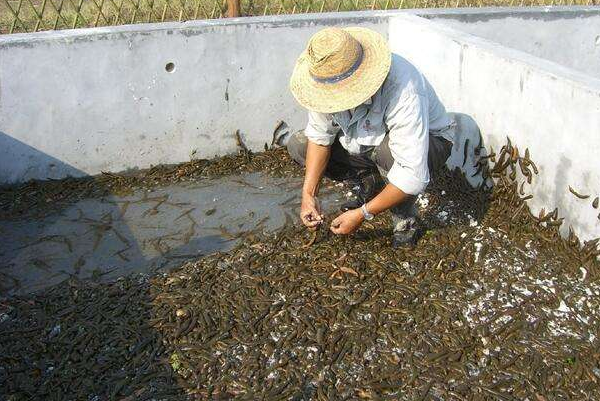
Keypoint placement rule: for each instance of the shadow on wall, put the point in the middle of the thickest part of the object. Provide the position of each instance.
(20, 162)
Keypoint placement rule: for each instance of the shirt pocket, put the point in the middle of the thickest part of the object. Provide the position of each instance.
(371, 126)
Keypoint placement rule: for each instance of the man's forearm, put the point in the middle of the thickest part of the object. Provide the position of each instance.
(317, 157)
(389, 197)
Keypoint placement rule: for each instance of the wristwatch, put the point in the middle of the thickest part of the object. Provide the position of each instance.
(368, 216)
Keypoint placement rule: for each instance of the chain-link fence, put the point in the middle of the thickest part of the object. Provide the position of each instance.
(39, 15)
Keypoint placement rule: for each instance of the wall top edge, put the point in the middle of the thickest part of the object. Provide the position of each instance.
(330, 18)
(496, 12)
(199, 25)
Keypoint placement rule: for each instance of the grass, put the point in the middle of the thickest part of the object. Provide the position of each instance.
(38, 15)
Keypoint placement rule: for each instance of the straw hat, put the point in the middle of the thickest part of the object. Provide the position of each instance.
(340, 69)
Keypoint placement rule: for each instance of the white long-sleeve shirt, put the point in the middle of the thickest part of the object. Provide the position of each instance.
(407, 107)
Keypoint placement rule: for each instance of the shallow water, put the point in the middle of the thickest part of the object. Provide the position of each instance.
(147, 231)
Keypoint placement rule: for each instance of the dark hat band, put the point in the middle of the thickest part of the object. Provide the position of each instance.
(344, 75)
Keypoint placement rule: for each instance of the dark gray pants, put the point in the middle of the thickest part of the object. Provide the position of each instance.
(343, 165)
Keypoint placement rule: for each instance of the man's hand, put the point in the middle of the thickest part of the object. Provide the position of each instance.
(348, 222)
(310, 212)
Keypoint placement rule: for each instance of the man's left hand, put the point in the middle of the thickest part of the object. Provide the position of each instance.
(347, 222)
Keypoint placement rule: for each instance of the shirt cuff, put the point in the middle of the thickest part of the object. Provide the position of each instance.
(403, 179)
(319, 138)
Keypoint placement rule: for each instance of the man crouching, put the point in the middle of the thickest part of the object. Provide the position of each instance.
(371, 114)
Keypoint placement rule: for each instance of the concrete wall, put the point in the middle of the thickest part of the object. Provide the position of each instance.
(570, 37)
(552, 110)
(85, 101)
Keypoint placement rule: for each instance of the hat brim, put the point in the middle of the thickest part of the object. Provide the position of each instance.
(349, 92)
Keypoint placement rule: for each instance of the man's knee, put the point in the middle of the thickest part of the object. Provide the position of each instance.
(382, 156)
(439, 151)
(296, 147)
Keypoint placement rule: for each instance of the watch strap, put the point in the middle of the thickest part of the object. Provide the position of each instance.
(365, 212)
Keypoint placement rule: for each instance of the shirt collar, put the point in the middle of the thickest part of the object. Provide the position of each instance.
(367, 102)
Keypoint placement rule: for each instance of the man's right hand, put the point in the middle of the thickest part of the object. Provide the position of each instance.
(310, 212)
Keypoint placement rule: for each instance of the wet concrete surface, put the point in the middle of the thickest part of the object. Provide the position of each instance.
(105, 238)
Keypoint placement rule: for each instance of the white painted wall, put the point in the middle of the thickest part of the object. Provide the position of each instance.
(573, 42)
(552, 110)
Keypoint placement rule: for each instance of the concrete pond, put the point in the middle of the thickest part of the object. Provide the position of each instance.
(165, 293)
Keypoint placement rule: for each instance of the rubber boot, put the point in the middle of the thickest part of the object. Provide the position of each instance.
(406, 226)
(364, 187)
